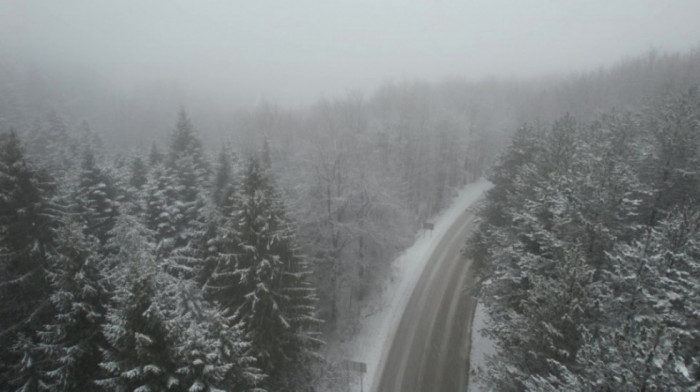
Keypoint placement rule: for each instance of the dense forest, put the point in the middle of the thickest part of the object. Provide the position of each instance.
(590, 241)
(176, 276)
(217, 249)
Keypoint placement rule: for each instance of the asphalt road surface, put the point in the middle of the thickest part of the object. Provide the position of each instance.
(430, 349)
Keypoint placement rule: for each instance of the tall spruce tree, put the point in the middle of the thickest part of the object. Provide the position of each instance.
(209, 352)
(28, 220)
(218, 276)
(160, 209)
(97, 199)
(225, 180)
(162, 334)
(277, 309)
(188, 166)
(72, 341)
(139, 355)
(220, 239)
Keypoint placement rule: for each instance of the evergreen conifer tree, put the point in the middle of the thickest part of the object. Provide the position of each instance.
(225, 180)
(188, 166)
(96, 199)
(277, 309)
(28, 219)
(162, 334)
(72, 341)
(160, 209)
(29, 373)
(139, 356)
(210, 352)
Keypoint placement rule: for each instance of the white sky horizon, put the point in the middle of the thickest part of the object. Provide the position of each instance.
(297, 52)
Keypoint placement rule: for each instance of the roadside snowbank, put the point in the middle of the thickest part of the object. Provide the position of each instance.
(380, 319)
(481, 347)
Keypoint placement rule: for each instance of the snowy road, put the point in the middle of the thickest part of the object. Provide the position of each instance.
(430, 347)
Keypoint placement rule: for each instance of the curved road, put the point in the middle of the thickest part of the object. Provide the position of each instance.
(430, 349)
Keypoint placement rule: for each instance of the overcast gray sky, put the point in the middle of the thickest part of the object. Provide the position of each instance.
(294, 51)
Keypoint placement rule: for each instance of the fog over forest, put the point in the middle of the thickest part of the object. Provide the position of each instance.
(223, 55)
(205, 196)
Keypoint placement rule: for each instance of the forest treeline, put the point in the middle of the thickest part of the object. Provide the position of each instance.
(174, 273)
(590, 241)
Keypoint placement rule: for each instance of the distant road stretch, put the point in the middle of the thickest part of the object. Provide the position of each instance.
(430, 349)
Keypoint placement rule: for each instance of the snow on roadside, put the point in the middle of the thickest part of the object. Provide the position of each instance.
(481, 347)
(379, 325)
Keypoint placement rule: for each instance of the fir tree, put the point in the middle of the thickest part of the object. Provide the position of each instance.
(188, 167)
(160, 209)
(140, 351)
(163, 335)
(220, 239)
(208, 351)
(72, 341)
(277, 310)
(28, 374)
(97, 199)
(27, 222)
(219, 279)
(225, 180)
(184, 141)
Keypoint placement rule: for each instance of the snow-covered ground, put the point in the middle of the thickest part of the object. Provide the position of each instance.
(380, 319)
(481, 346)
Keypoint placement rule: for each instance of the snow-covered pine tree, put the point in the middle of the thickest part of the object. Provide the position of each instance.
(189, 168)
(139, 356)
(518, 160)
(184, 141)
(29, 373)
(179, 217)
(28, 219)
(96, 199)
(218, 241)
(162, 334)
(189, 221)
(220, 284)
(160, 208)
(71, 342)
(209, 352)
(210, 243)
(190, 261)
(226, 179)
(277, 309)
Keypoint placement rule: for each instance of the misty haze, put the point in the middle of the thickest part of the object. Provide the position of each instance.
(335, 196)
